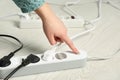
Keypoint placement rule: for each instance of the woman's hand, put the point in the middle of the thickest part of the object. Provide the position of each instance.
(56, 32)
(54, 27)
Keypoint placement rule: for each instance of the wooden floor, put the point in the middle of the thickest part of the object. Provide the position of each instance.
(102, 42)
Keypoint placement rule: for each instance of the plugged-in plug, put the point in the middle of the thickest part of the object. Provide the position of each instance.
(48, 55)
(5, 61)
(30, 59)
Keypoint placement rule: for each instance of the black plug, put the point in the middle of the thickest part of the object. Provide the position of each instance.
(5, 61)
(30, 59)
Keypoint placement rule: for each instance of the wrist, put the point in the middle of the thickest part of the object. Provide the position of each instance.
(45, 12)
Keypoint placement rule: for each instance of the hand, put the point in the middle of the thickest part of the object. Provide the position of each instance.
(54, 27)
(56, 32)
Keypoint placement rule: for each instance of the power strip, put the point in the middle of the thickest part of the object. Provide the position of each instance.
(34, 21)
(61, 61)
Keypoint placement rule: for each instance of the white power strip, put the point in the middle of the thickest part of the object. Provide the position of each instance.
(33, 21)
(61, 61)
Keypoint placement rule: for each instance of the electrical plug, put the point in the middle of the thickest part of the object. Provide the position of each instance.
(5, 61)
(48, 55)
(30, 59)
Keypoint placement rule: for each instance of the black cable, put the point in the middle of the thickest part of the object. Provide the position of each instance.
(4, 35)
(5, 61)
(30, 59)
(15, 70)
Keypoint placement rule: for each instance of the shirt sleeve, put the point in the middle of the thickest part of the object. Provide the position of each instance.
(28, 5)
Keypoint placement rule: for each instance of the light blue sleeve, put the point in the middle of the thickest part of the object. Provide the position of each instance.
(28, 5)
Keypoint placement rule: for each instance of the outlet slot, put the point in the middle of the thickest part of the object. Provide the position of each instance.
(61, 56)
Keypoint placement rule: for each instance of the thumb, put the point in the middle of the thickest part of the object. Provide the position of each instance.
(52, 40)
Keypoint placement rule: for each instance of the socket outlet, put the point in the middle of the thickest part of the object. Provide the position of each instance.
(61, 61)
(35, 22)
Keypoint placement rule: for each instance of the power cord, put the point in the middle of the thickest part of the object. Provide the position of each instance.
(70, 11)
(113, 4)
(73, 13)
(25, 15)
(103, 58)
(30, 59)
(5, 61)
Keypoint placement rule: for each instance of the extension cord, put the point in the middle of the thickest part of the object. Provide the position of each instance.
(35, 22)
(61, 61)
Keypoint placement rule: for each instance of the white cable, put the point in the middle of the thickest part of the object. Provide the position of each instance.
(94, 58)
(16, 14)
(113, 4)
(103, 58)
(76, 36)
(99, 3)
(84, 32)
(10, 15)
(89, 58)
(71, 12)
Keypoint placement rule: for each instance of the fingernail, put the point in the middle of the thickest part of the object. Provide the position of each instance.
(53, 43)
(76, 51)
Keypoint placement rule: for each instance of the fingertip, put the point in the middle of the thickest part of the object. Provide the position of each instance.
(76, 51)
(71, 44)
(53, 43)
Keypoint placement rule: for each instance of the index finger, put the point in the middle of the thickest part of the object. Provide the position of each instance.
(69, 42)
